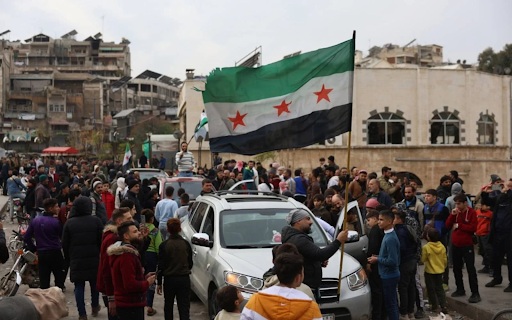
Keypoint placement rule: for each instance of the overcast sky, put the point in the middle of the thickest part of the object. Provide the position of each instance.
(170, 36)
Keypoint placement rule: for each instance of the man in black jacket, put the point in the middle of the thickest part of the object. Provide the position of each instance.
(375, 236)
(296, 232)
(131, 194)
(98, 206)
(81, 243)
(501, 233)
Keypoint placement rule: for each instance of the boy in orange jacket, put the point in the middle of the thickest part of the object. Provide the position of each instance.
(483, 229)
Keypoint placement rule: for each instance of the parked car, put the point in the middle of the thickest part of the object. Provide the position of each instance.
(356, 249)
(192, 186)
(232, 234)
(148, 173)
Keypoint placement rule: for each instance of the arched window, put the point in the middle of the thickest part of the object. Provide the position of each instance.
(386, 128)
(486, 129)
(445, 128)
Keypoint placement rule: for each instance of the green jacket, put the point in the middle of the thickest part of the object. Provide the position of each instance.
(156, 238)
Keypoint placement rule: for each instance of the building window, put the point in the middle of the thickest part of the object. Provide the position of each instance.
(57, 108)
(486, 129)
(445, 128)
(386, 128)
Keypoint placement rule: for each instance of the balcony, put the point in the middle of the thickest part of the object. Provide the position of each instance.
(24, 115)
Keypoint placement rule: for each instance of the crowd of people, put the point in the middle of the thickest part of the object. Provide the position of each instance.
(106, 227)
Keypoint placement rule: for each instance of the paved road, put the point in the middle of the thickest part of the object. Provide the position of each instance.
(197, 309)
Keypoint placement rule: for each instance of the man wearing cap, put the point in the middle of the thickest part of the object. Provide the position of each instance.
(131, 194)
(358, 190)
(384, 181)
(98, 206)
(41, 193)
(297, 232)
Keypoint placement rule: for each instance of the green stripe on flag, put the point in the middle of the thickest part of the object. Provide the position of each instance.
(241, 84)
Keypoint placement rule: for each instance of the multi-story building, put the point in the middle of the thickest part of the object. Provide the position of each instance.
(51, 87)
(150, 94)
(408, 56)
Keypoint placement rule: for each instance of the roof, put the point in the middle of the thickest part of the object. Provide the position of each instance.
(68, 150)
(148, 74)
(124, 113)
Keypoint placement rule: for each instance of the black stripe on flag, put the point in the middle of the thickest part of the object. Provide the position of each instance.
(295, 133)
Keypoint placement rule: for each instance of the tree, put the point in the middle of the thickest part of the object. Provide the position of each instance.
(155, 126)
(497, 63)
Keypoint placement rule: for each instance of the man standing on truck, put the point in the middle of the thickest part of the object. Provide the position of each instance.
(297, 232)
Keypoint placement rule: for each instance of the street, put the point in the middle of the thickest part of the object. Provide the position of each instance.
(197, 309)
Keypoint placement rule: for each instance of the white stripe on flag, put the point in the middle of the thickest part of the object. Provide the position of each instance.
(262, 112)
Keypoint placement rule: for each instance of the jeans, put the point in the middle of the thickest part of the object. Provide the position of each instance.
(132, 313)
(110, 317)
(80, 299)
(407, 286)
(420, 302)
(461, 255)
(502, 248)
(51, 261)
(376, 291)
(185, 174)
(151, 263)
(390, 298)
(435, 291)
(179, 287)
(485, 250)
(11, 197)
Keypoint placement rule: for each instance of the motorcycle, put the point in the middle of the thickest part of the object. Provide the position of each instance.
(24, 271)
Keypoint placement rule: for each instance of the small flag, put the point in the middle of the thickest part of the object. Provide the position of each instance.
(127, 154)
(201, 131)
(292, 103)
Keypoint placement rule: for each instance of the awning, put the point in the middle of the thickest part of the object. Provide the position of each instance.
(124, 113)
(67, 150)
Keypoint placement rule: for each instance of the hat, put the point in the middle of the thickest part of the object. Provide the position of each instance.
(495, 177)
(363, 171)
(385, 169)
(95, 184)
(296, 215)
(64, 186)
(329, 193)
(43, 178)
(331, 158)
(132, 184)
(372, 203)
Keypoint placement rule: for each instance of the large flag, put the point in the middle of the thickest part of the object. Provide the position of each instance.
(292, 103)
(127, 154)
(201, 131)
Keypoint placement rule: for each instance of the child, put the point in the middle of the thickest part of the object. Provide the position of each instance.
(151, 255)
(229, 299)
(433, 255)
(375, 236)
(407, 283)
(389, 262)
(319, 209)
(484, 216)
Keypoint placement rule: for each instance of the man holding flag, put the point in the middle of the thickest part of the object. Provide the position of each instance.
(185, 161)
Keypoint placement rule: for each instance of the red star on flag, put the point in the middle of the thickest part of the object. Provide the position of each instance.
(323, 94)
(283, 107)
(237, 120)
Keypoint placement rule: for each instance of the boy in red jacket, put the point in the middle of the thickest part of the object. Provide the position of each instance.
(109, 199)
(484, 216)
(464, 222)
(130, 285)
(104, 280)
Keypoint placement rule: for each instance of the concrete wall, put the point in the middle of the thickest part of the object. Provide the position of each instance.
(190, 105)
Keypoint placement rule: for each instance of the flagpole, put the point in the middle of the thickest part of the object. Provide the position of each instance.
(351, 94)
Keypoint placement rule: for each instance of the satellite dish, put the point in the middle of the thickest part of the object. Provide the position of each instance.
(331, 140)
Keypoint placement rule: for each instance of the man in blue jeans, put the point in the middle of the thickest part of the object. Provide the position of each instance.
(185, 161)
(389, 263)
(14, 188)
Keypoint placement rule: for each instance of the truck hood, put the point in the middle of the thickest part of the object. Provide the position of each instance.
(255, 262)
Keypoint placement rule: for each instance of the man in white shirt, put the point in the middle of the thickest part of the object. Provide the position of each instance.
(185, 161)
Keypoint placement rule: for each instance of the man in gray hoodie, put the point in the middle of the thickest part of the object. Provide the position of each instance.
(456, 189)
